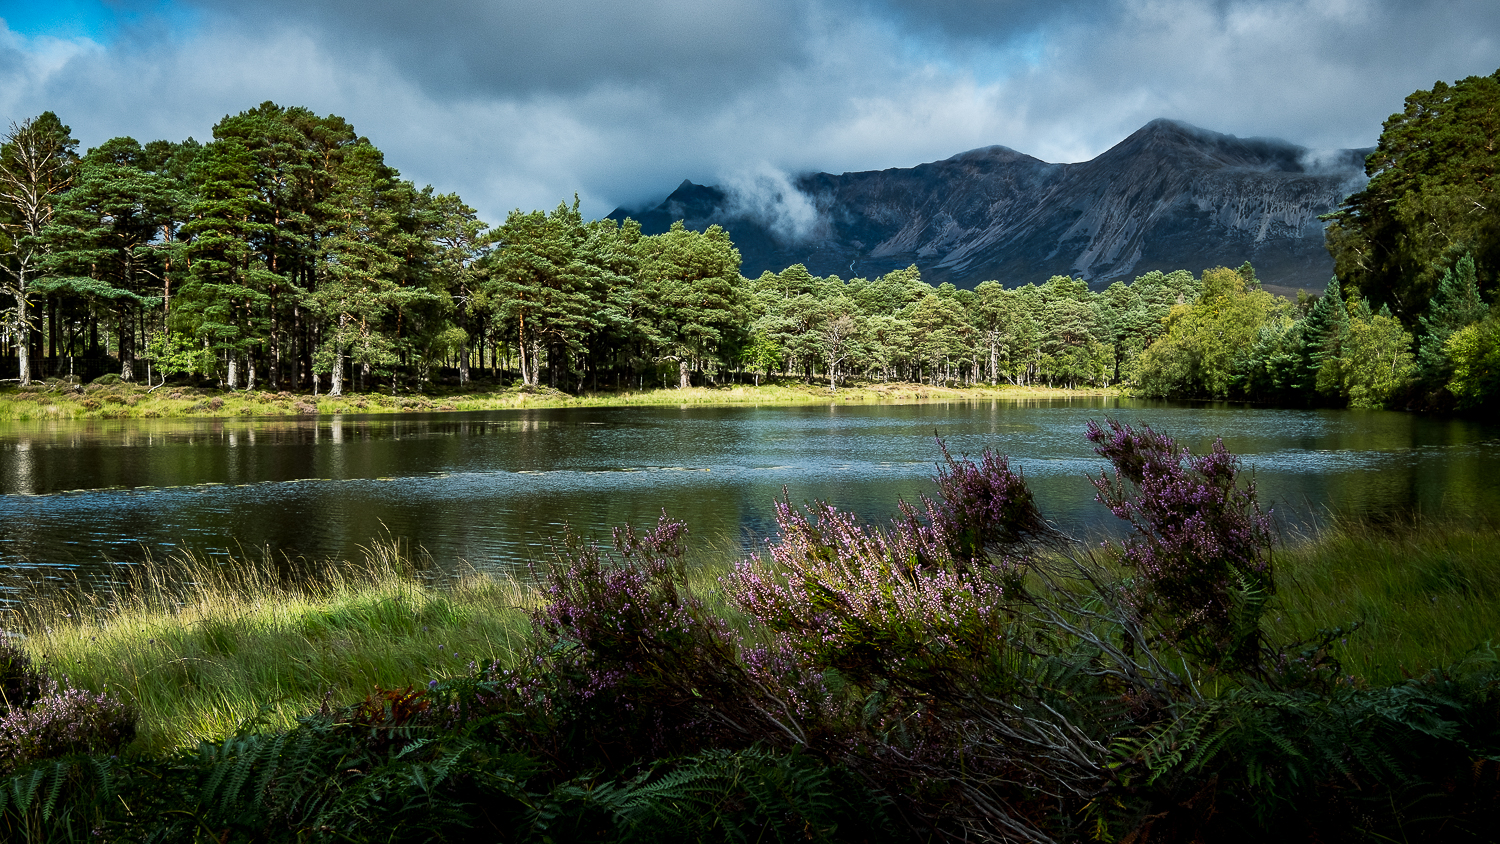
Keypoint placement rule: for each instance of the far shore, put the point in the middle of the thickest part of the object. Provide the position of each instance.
(123, 400)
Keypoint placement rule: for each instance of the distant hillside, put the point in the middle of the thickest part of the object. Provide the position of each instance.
(1170, 196)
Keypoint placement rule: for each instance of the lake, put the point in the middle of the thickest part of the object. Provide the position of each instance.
(493, 489)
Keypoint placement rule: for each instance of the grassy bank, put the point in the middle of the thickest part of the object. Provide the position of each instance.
(1424, 592)
(58, 400)
(200, 648)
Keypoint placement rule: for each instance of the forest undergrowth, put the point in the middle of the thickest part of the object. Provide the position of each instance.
(964, 672)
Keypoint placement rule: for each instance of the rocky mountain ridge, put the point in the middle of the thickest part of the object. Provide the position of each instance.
(1170, 196)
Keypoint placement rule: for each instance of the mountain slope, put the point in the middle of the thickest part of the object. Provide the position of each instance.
(1170, 196)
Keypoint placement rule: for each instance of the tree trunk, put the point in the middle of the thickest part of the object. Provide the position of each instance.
(127, 354)
(23, 341)
(684, 377)
(233, 381)
(463, 363)
(336, 378)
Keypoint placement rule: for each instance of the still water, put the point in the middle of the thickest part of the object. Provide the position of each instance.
(494, 489)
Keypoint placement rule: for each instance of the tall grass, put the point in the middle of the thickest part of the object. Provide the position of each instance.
(200, 647)
(1424, 592)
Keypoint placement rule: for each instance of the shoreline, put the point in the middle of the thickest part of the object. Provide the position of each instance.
(156, 636)
(62, 401)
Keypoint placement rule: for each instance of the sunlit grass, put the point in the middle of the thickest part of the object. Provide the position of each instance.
(130, 401)
(201, 647)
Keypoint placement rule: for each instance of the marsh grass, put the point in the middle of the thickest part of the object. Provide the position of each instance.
(1425, 592)
(200, 647)
(59, 400)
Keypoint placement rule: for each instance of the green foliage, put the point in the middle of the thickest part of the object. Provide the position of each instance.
(1208, 345)
(690, 287)
(543, 285)
(1376, 362)
(1431, 197)
(1343, 765)
(221, 299)
(175, 353)
(1474, 352)
(1456, 304)
(103, 242)
(1320, 340)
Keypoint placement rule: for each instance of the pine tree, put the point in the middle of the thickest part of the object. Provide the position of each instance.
(366, 242)
(38, 160)
(1320, 337)
(223, 297)
(103, 243)
(1455, 305)
(691, 283)
(543, 282)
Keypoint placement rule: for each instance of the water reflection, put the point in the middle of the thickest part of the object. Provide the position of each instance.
(496, 488)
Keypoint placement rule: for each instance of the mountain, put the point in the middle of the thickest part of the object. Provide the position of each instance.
(1170, 196)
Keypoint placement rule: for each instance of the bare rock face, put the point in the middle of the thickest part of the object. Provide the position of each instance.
(1170, 196)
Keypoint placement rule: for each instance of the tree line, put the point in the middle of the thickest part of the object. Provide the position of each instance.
(285, 253)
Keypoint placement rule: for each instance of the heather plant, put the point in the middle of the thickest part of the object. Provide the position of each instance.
(21, 682)
(935, 588)
(983, 507)
(623, 653)
(41, 718)
(872, 604)
(965, 656)
(64, 722)
(1201, 547)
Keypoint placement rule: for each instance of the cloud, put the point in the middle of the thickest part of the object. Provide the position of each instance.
(766, 194)
(464, 48)
(520, 105)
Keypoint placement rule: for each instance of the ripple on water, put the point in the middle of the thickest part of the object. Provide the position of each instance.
(494, 488)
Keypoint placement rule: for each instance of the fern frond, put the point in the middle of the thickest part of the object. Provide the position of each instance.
(58, 771)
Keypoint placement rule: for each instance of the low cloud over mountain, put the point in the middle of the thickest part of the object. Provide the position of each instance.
(1170, 196)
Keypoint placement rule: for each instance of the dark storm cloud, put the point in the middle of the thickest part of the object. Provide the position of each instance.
(522, 47)
(518, 104)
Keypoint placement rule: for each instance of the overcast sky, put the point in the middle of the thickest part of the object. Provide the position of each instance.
(520, 103)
